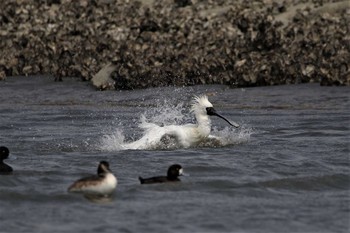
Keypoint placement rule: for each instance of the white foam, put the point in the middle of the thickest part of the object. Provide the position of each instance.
(167, 114)
(113, 141)
(232, 136)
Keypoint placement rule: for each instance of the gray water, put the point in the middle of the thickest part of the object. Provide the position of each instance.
(289, 172)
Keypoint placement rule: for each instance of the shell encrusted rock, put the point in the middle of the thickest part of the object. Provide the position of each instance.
(141, 44)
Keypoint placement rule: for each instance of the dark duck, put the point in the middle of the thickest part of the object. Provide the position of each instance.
(173, 174)
(4, 154)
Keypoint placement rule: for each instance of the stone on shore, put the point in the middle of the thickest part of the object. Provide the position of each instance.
(103, 80)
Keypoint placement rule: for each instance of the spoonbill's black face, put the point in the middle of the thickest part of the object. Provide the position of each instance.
(212, 112)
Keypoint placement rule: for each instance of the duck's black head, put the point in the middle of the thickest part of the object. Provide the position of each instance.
(174, 171)
(103, 167)
(4, 152)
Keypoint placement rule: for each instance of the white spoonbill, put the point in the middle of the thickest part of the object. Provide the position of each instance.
(187, 135)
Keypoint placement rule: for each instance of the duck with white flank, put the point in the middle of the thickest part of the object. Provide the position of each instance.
(173, 174)
(187, 135)
(4, 154)
(101, 185)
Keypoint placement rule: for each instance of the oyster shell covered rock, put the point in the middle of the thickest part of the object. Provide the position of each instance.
(128, 44)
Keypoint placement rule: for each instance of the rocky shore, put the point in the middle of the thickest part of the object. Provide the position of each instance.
(126, 44)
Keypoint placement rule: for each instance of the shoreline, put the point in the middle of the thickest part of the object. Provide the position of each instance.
(130, 45)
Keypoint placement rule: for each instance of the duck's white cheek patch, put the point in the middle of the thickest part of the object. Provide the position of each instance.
(180, 171)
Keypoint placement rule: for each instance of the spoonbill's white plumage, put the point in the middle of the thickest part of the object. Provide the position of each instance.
(186, 135)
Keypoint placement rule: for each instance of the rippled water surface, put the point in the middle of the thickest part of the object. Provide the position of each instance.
(285, 170)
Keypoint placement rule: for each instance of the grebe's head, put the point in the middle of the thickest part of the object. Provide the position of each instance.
(103, 167)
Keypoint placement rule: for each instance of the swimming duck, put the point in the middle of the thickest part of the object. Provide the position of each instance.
(101, 185)
(174, 172)
(4, 154)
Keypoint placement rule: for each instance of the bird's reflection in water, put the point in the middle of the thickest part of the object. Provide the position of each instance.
(101, 199)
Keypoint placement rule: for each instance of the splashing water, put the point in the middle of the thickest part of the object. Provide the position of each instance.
(231, 136)
(164, 114)
(113, 142)
(167, 114)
